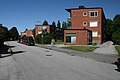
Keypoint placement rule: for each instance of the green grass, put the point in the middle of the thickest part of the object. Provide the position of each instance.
(81, 48)
(118, 49)
(59, 42)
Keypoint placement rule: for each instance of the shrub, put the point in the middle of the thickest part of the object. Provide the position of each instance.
(45, 40)
(38, 39)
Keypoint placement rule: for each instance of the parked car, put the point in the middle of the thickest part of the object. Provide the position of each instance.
(24, 41)
(19, 41)
(30, 43)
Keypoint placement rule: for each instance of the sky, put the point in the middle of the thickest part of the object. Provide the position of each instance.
(27, 13)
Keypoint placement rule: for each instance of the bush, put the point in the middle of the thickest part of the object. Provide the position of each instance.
(46, 39)
(38, 39)
(94, 44)
(30, 38)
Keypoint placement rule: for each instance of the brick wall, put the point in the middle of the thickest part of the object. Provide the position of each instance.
(77, 20)
(29, 33)
(38, 29)
(81, 36)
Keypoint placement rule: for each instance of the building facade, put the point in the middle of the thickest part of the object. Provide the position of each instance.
(27, 33)
(39, 29)
(89, 23)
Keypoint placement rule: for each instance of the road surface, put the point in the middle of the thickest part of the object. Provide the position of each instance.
(35, 63)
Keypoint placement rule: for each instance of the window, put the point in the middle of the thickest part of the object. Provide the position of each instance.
(68, 39)
(84, 23)
(94, 24)
(71, 38)
(40, 28)
(84, 13)
(95, 34)
(93, 13)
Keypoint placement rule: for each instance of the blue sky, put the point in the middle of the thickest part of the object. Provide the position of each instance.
(25, 13)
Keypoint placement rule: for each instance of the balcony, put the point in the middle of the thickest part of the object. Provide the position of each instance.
(69, 20)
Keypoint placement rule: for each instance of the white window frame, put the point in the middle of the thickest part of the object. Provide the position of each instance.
(84, 23)
(94, 34)
(94, 13)
(95, 24)
(84, 14)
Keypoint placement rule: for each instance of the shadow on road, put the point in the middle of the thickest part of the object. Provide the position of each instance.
(5, 51)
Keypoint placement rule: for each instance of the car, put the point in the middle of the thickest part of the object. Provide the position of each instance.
(24, 42)
(30, 43)
(19, 41)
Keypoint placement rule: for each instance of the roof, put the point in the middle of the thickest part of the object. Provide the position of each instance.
(42, 25)
(82, 7)
(78, 29)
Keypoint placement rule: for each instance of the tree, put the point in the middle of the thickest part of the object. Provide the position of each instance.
(53, 30)
(116, 21)
(4, 34)
(116, 37)
(116, 32)
(45, 23)
(14, 33)
(59, 24)
(64, 25)
(109, 29)
(33, 32)
(46, 39)
(24, 37)
(38, 39)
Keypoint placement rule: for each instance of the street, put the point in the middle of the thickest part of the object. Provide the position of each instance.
(35, 63)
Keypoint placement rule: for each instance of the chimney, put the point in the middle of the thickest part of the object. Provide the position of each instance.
(82, 7)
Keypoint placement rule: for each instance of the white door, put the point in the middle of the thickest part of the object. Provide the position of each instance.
(73, 40)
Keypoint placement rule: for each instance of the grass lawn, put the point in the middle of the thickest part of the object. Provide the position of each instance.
(118, 49)
(59, 42)
(82, 48)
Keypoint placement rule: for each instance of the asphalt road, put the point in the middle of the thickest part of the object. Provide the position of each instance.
(35, 63)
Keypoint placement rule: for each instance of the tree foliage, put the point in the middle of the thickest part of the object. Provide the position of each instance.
(116, 21)
(53, 30)
(4, 34)
(33, 32)
(64, 25)
(13, 33)
(45, 23)
(46, 39)
(116, 37)
(38, 39)
(116, 32)
(59, 24)
(109, 29)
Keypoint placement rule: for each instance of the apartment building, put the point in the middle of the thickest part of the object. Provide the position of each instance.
(87, 25)
(27, 33)
(39, 29)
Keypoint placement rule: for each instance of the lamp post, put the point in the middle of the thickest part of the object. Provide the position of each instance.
(42, 37)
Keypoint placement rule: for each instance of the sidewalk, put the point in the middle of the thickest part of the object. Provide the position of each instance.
(106, 58)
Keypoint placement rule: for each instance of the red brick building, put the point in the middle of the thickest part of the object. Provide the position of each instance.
(27, 33)
(87, 25)
(40, 28)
